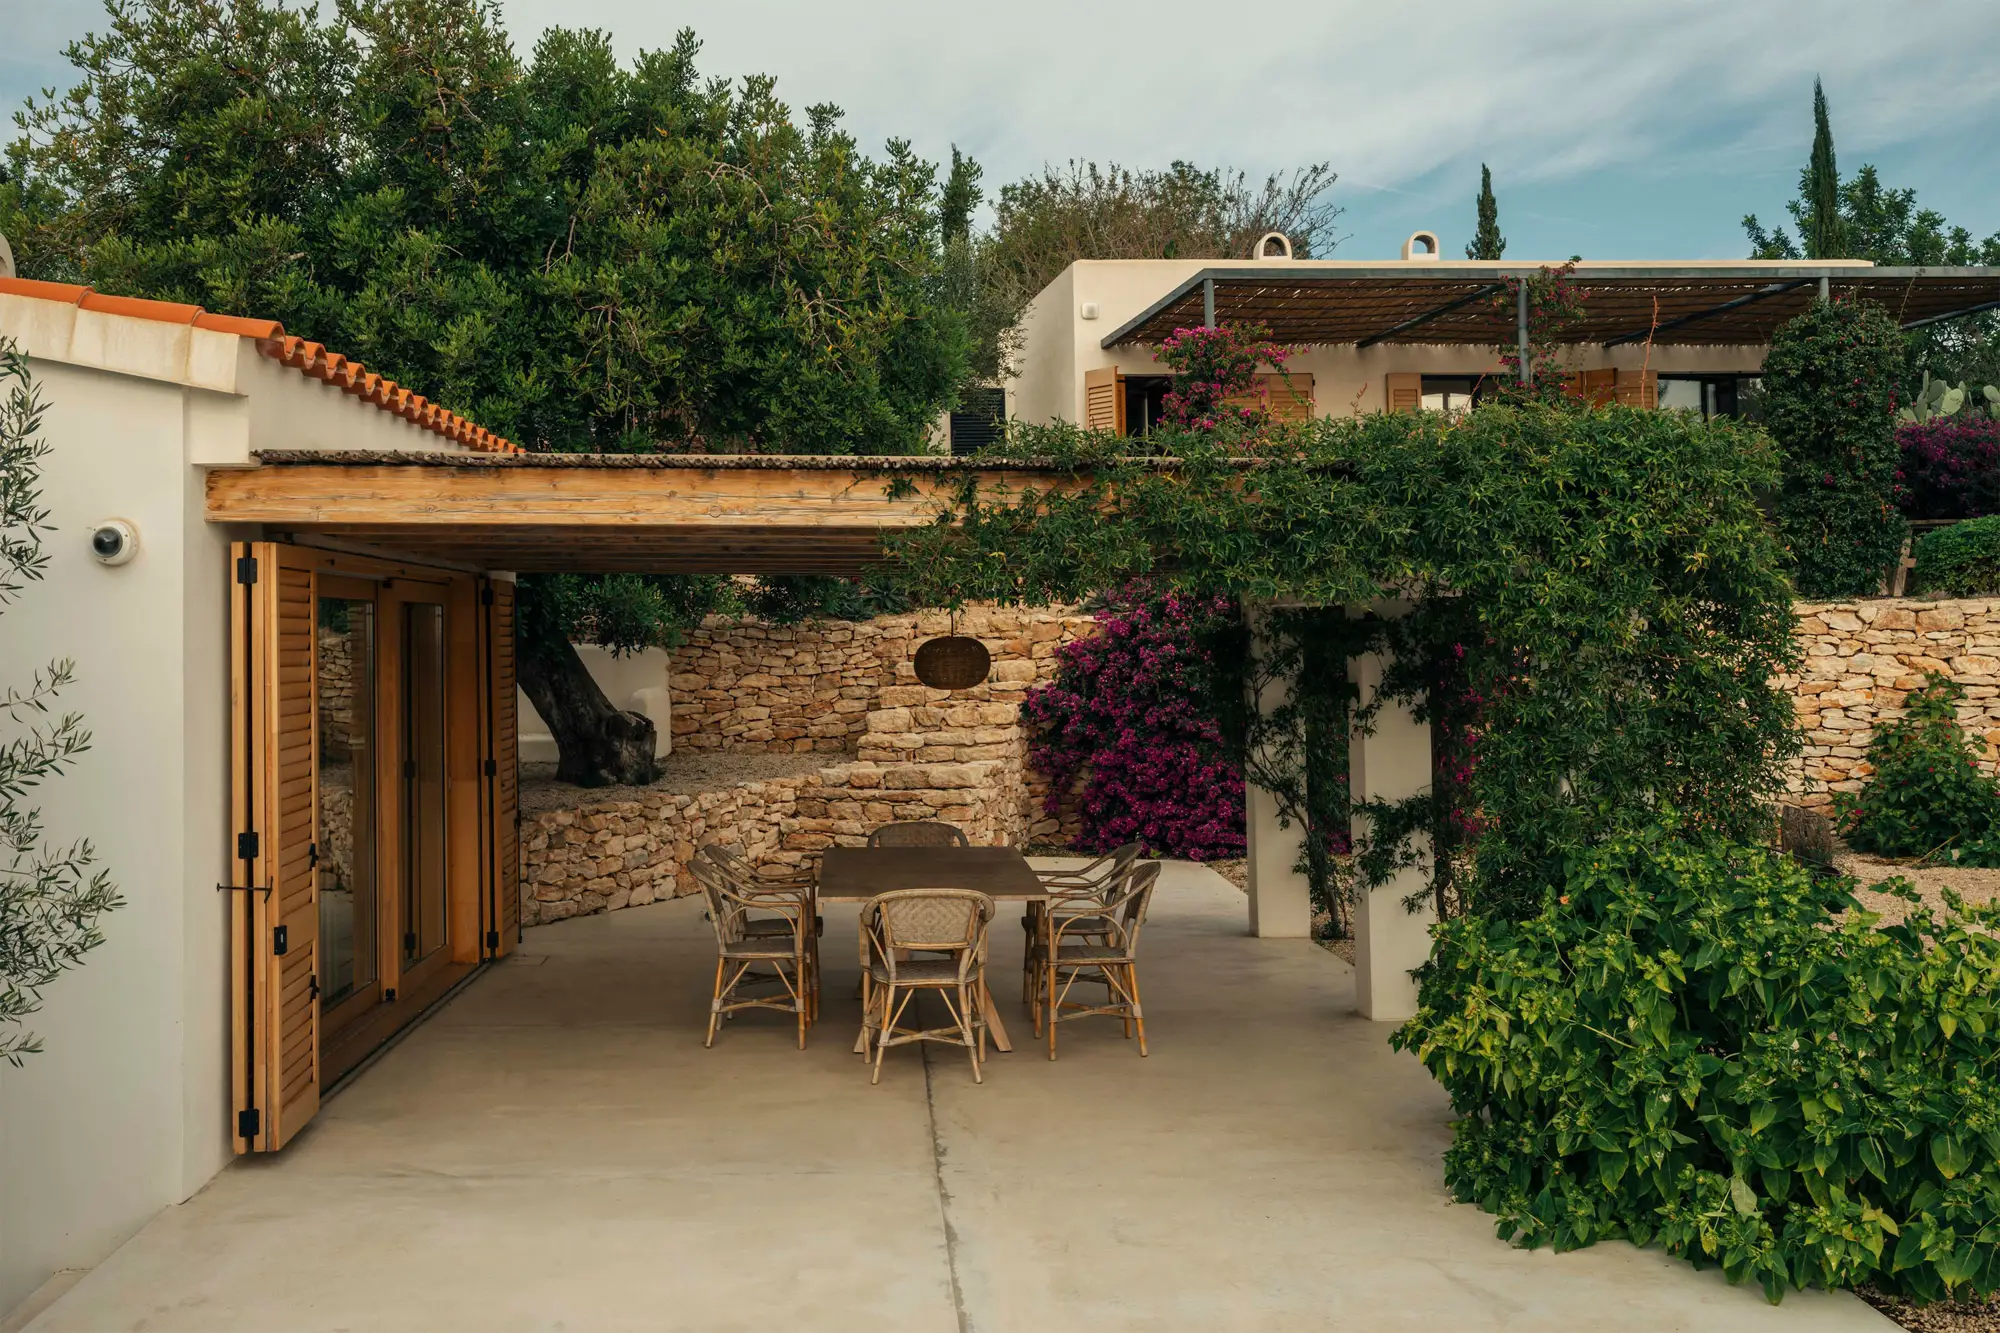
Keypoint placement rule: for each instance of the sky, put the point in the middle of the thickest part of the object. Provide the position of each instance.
(1614, 130)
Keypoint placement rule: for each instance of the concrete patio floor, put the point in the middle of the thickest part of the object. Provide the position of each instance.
(556, 1151)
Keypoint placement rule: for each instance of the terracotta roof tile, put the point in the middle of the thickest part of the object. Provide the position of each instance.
(309, 358)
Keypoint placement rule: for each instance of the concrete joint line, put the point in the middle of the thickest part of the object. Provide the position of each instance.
(943, 1196)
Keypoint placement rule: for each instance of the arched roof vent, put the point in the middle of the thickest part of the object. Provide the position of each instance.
(1428, 240)
(1270, 239)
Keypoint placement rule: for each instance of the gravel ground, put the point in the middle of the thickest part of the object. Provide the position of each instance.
(683, 772)
(1944, 1317)
(1929, 882)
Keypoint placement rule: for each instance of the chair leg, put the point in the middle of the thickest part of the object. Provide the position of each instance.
(966, 1002)
(1138, 1014)
(1049, 996)
(714, 1004)
(799, 996)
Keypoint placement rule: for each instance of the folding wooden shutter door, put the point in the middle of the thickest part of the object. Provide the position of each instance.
(1599, 388)
(1287, 397)
(1104, 400)
(1639, 388)
(501, 765)
(1403, 392)
(275, 908)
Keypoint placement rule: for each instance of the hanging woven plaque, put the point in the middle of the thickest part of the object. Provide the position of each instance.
(953, 662)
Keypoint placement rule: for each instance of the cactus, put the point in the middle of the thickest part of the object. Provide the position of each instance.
(1939, 398)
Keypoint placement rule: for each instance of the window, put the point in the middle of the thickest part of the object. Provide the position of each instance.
(1455, 393)
(978, 419)
(1710, 395)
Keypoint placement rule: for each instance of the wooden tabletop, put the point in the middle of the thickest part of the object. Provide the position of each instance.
(856, 874)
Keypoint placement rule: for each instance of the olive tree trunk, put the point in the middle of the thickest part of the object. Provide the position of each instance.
(597, 745)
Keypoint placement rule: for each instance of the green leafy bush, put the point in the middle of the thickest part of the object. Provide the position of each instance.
(1926, 796)
(1830, 403)
(1684, 1048)
(1962, 560)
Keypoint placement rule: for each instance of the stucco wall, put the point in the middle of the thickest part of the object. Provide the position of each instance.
(125, 1112)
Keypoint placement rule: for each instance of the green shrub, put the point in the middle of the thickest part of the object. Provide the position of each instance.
(1830, 403)
(1683, 1048)
(1962, 560)
(1926, 796)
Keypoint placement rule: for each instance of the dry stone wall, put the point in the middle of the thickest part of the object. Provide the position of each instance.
(1862, 658)
(896, 750)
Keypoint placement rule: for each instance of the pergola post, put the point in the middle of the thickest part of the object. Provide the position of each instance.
(1208, 303)
(1391, 762)
(1280, 894)
(1521, 327)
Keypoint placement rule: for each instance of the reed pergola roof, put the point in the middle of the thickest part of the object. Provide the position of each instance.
(603, 513)
(1739, 303)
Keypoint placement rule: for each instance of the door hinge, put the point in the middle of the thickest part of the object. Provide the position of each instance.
(246, 846)
(492, 768)
(409, 768)
(312, 987)
(246, 569)
(312, 855)
(410, 942)
(281, 941)
(249, 1123)
(388, 995)
(493, 941)
(486, 595)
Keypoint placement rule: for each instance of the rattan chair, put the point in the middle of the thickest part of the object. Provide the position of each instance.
(788, 952)
(1102, 946)
(786, 887)
(1080, 891)
(951, 922)
(918, 833)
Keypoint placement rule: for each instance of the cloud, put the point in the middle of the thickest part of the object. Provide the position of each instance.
(1387, 92)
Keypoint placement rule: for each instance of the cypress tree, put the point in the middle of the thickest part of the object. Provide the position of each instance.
(1488, 243)
(1826, 231)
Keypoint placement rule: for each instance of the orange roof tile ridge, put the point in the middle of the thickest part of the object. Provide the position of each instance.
(309, 358)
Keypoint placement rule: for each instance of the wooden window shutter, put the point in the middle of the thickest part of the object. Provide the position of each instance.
(1288, 397)
(1599, 388)
(501, 763)
(1104, 400)
(274, 1004)
(1639, 388)
(1403, 392)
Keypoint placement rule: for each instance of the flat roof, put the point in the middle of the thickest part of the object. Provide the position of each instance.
(1738, 303)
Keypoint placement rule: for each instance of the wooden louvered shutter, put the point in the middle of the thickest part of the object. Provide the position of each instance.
(1403, 392)
(1639, 388)
(502, 767)
(1104, 400)
(275, 908)
(1286, 397)
(1599, 388)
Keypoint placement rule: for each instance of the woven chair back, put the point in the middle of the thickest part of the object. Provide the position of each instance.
(724, 912)
(1129, 904)
(918, 833)
(930, 918)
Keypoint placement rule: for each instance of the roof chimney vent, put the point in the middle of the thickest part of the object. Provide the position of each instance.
(1430, 252)
(1267, 240)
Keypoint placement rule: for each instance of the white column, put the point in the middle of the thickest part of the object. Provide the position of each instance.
(1280, 895)
(1391, 763)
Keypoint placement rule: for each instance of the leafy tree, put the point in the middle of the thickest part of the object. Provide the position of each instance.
(1083, 211)
(1830, 403)
(578, 254)
(1487, 242)
(50, 898)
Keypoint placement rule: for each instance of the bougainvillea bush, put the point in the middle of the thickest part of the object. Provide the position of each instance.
(1685, 1048)
(1950, 467)
(1212, 366)
(1126, 718)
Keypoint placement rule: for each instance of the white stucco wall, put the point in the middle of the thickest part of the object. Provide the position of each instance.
(126, 1111)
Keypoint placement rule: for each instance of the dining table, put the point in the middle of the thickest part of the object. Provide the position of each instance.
(856, 874)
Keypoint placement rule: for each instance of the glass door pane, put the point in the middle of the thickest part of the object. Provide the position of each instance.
(424, 887)
(344, 663)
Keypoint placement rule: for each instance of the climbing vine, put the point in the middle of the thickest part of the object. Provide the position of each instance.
(1590, 600)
